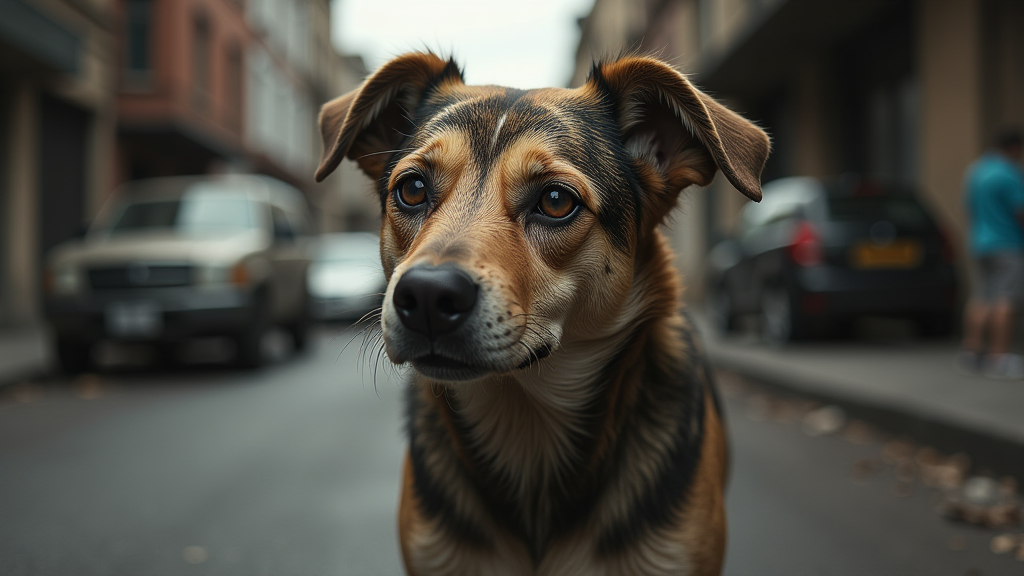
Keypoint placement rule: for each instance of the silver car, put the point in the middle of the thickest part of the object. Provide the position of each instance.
(170, 259)
(346, 281)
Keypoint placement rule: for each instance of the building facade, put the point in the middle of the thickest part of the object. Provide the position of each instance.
(57, 134)
(213, 85)
(901, 90)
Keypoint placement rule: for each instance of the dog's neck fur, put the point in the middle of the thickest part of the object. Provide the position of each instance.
(543, 429)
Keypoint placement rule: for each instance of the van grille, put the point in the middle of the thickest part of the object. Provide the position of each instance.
(139, 276)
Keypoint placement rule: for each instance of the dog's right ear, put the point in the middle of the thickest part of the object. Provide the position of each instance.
(678, 130)
(373, 119)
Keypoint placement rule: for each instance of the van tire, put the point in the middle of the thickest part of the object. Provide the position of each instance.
(249, 343)
(73, 356)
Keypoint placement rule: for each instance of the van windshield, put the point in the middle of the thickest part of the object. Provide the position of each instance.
(199, 211)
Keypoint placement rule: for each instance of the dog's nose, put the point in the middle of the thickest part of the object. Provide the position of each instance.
(434, 301)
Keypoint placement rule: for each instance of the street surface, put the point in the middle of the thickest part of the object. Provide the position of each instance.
(294, 471)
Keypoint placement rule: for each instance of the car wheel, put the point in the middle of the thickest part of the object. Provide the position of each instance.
(74, 356)
(779, 322)
(299, 329)
(166, 355)
(720, 313)
(250, 342)
(844, 328)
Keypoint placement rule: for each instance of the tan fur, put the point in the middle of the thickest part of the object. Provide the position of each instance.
(704, 523)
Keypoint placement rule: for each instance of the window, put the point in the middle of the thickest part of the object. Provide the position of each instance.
(233, 102)
(201, 62)
(203, 210)
(283, 229)
(138, 42)
(783, 198)
(902, 211)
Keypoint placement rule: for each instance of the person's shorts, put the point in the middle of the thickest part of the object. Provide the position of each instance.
(1000, 277)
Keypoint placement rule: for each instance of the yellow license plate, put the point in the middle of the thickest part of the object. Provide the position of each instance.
(898, 254)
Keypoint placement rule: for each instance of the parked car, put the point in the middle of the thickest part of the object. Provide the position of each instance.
(170, 259)
(346, 280)
(814, 255)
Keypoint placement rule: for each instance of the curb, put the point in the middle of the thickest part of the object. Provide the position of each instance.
(989, 452)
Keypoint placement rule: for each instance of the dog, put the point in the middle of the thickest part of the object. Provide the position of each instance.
(562, 419)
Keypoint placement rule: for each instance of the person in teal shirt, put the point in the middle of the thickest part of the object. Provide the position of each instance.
(994, 199)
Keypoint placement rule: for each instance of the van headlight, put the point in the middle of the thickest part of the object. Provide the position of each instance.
(237, 274)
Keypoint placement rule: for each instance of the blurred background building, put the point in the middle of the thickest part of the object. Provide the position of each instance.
(97, 92)
(58, 65)
(910, 91)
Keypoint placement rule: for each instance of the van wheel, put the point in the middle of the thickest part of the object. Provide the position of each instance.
(74, 356)
(249, 343)
(299, 329)
(166, 355)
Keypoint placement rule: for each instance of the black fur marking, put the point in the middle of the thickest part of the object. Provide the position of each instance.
(432, 499)
(708, 372)
(681, 387)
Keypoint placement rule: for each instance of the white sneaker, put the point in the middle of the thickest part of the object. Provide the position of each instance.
(1003, 366)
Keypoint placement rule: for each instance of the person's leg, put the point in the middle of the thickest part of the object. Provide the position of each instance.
(1001, 323)
(976, 314)
(1006, 286)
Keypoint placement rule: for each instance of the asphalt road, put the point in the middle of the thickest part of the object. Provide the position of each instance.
(294, 470)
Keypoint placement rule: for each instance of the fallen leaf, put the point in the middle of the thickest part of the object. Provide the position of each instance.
(1003, 543)
(825, 420)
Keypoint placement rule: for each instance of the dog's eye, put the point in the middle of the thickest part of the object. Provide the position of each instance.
(556, 202)
(412, 191)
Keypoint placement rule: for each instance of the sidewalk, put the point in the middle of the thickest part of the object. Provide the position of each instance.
(905, 385)
(24, 354)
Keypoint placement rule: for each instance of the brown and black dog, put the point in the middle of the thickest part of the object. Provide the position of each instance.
(562, 420)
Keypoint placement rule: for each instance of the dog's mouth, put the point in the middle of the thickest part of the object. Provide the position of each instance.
(442, 367)
(535, 355)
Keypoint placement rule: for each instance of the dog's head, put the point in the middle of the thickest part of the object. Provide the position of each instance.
(513, 220)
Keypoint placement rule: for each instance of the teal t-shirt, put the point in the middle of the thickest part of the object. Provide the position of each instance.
(995, 199)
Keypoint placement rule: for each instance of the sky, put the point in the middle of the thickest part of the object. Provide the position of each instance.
(517, 43)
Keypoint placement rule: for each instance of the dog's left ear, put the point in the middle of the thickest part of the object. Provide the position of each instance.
(678, 131)
(370, 121)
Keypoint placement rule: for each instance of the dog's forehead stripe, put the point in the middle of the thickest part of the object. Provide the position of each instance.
(497, 129)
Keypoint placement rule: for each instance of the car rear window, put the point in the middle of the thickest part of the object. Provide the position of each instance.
(902, 211)
(198, 212)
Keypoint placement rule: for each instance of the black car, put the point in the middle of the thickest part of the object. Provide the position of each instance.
(816, 256)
